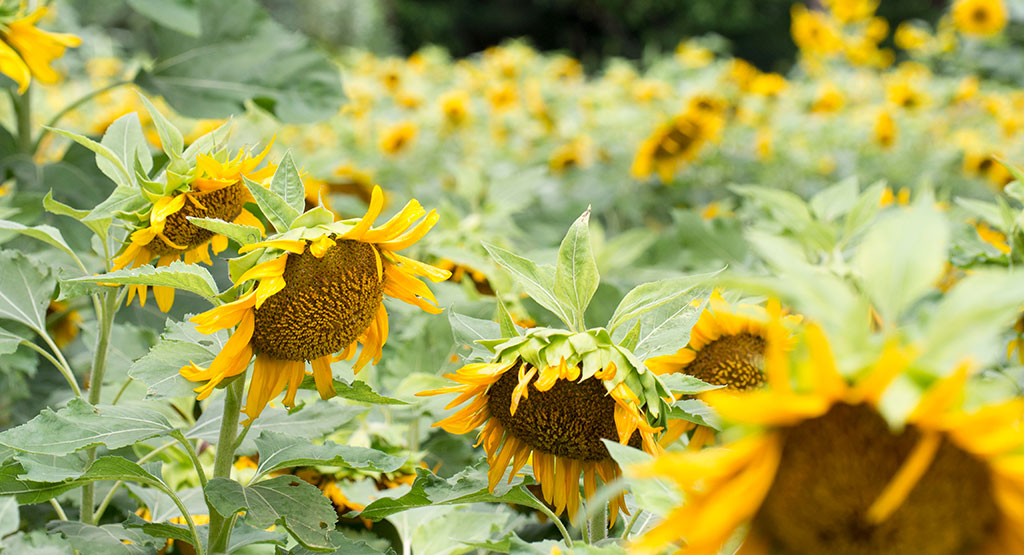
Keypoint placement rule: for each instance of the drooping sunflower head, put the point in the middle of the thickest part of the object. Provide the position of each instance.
(314, 293)
(817, 467)
(210, 186)
(554, 396)
(675, 143)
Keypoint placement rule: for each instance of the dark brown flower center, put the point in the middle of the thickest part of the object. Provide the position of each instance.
(835, 466)
(222, 204)
(735, 361)
(325, 305)
(677, 141)
(567, 420)
(980, 14)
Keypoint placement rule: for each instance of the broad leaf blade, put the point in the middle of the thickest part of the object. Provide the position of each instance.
(25, 290)
(281, 450)
(287, 184)
(576, 277)
(537, 281)
(275, 208)
(187, 277)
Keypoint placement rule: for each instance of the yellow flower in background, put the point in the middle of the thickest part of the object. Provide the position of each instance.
(819, 470)
(850, 11)
(967, 89)
(768, 84)
(62, 322)
(217, 192)
(885, 130)
(577, 153)
(902, 198)
(691, 55)
(906, 94)
(398, 137)
(502, 96)
(911, 37)
(982, 163)
(812, 31)
(646, 90)
(991, 236)
(979, 18)
(317, 295)
(673, 144)
(27, 51)
(454, 107)
(347, 179)
(764, 143)
(828, 99)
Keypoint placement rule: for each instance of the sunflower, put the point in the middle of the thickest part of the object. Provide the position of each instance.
(27, 51)
(320, 292)
(62, 323)
(454, 106)
(166, 235)
(554, 395)
(885, 131)
(397, 138)
(991, 236)
(980, 18)
(726, 347)
(674, 143)
(577, 153)
(826, 473)
(812, 31)
(345, 180)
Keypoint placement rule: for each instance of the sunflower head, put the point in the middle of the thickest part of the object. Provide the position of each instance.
(27, 51)
(556, 395)
(314, 293)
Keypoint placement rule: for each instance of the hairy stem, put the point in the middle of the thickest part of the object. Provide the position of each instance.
(220, 530)
(99, 367)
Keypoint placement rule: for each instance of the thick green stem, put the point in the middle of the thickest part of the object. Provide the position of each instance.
(598, 523)
(23, 112)
(220, 526)
(99, 367)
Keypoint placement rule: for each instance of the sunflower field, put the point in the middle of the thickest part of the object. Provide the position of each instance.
(258, 296)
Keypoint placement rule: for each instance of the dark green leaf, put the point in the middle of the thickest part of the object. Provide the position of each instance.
(284, 450)
(180, 15)
(113, 539)
(358, 391)
(104, 468)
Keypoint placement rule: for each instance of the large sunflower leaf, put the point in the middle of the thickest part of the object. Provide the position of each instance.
(25, 290)
(287, 183)
(187, 277)
(104, 468)
(110, 539)
(648, 296)
(81, 425)
(283, 450)
(537, 281)
(240, 55)
(286, 500)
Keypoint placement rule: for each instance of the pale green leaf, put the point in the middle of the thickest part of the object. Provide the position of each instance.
(318, 215)
(45, 233)
(576, 277)
(9, 518)
(117, 171)
(651, 494)
(506, 324)
(180, 15)
(125, 139)
(832, 202)
(99, 226)
(170, 137)
(25, 290)
(109, 539)
(279, 212)
(287, 183)
(123, 200)
(52, 468)
(649, 296)
(239, 233)
(104, 468)
(666, 329)
(696, 411)
(684, 384)
(901, 258)
(467, 331)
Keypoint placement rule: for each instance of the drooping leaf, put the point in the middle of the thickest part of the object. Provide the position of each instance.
(285, 500)
(241, 55)
(274, 207)
(45, 233)
(466, 331)
(113, 167)
(666, 329)
(358, 391)
(576, 276)
(104, 468)
(81, 425)
(281, 450)
(536, 281)
(52, 468)
(187, 277)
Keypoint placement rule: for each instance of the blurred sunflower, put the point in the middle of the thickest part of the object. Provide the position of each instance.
(885, 130)
(827, 474)
(27, 51)
(62, 322)
(726, 347)
(550, 397)
(812, 31)
(166, 235)
(346, 179)
(980, 18)
(320, 292)
(454, 106)
(397, 138)
(673, 144)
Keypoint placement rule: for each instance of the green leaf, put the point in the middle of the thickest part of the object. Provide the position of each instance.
(506, 324)
(666, 329)
(343, 545)
(104, 468)
(537, 281)
(312, 420)
(468, 486)
(45, 233)
(864, 210)
(98, 226)
(576, 277)
(25, 290)
(9, 342)
(286, 500)
(651, 494)
(632, 338)
(358, 390)
(318, 215)
(785, 207)
(52, 468)
(279, 212)
(178, 532)
(158, 369)
(187, 277)
(239, 233)
(170, 138)
(179, 15)
(112, 539)
(970, 320)
(282, 450)
(9, 517)
(81, 425)
(287, 184)
(696, 411)
(125, 139)
(649, 296)
(123, 200)
(832, 202)
(115, 169)
(467, 331)
(901, 258)
(240, 56)
(685, 384)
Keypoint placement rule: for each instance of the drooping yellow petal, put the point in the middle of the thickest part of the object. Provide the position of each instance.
(413, 235)
(396, 225)
(910, 472)
(269, 376)
(14, 67)
(376, 204)
(323, 376)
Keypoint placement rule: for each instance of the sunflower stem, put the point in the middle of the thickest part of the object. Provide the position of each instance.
(23, 111)
(220, 530)
(108, 309)
(598, 523)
